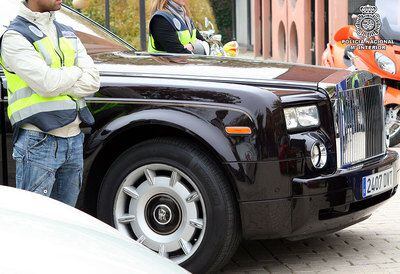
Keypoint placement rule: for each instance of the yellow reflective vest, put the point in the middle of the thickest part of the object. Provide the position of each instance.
(185, 36)
(25, 106)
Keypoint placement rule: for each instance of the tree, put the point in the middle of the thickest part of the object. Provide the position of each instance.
(223, 13)
(124, 16)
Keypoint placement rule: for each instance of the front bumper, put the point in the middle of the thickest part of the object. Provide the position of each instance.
(318, 206)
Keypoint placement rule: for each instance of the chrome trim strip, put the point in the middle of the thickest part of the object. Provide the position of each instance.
(248, 81)
(362, 161)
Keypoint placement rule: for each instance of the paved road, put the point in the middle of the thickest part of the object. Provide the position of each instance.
(372, 246)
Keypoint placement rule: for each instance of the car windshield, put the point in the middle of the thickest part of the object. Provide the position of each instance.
(94, 37)
(390, 28)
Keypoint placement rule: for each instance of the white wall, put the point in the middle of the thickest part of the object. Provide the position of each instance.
(242, 22)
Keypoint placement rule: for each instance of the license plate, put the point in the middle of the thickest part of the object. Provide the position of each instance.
(377, 183)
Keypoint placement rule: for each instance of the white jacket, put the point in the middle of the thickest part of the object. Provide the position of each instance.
(20, 57)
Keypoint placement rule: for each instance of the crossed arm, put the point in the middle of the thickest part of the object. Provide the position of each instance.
(20, 57)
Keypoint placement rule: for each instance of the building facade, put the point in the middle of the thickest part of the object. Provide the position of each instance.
(292, 30)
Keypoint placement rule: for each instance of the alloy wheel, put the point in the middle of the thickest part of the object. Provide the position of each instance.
(159, 206)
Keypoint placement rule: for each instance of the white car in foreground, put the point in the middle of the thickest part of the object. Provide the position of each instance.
(41, 235)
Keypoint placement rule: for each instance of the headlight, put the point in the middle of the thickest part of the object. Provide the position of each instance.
(301, 117)
(385, 63)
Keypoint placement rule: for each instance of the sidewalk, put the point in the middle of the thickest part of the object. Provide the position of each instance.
(249, 55)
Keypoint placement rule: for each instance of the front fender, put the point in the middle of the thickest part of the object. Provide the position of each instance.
(206, 129)
(188, 122)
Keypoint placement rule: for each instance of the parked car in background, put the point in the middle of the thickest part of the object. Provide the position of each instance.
(41, 235)
(191, 154)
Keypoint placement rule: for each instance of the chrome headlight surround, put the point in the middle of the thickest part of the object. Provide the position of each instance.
(298, 118)
(319, 155)
(385, 63)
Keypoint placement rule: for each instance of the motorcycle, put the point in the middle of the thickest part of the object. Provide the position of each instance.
(383, 61)
(213, 45)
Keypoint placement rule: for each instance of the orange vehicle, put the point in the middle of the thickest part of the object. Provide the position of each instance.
(380, 57)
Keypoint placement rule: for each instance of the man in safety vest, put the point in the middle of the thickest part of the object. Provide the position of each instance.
(48, 76)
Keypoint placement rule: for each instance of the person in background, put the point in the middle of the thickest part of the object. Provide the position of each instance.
(171, 28)
(49, 73)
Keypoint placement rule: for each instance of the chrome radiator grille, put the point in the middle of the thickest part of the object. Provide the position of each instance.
(359, 124)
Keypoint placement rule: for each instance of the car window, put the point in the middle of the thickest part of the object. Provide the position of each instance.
(94, 37)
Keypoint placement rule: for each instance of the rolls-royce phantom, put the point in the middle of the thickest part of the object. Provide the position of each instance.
(190, 154)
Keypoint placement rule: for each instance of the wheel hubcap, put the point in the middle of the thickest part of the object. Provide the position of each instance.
(161, 207)
(163, 214)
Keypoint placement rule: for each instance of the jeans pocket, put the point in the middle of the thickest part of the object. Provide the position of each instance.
(35, 141)
(38, 179)
(40, 150)
(18, 154)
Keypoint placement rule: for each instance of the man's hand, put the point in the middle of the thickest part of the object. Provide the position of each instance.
(189, 47)
(89, 82)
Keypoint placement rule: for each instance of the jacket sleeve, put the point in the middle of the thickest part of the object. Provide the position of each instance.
(89, 83)
(20, 57)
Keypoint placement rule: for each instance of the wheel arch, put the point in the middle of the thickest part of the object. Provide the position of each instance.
(130, 130)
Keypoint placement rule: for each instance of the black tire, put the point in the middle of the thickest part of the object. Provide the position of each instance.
(222, 233)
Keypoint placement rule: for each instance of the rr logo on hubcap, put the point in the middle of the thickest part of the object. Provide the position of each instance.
(162, 214)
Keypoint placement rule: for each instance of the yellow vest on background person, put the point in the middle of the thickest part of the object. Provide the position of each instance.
(25, 106)
(185, 36)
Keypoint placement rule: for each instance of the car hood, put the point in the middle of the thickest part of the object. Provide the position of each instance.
(41, 235)
(217, 68)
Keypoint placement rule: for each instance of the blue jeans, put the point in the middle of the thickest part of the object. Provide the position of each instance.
(49, 165)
